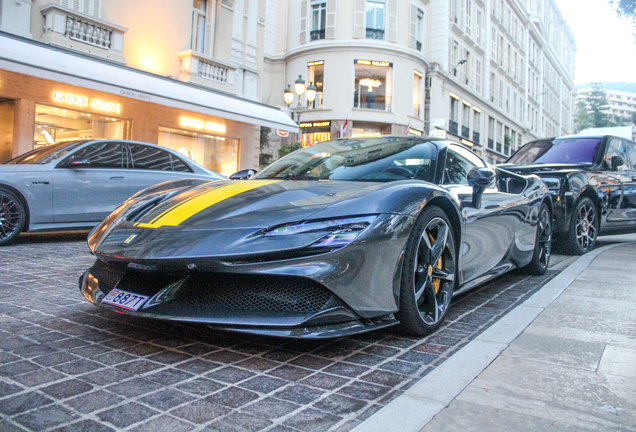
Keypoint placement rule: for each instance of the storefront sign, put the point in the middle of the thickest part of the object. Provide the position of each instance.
(282, 133)
(315, 124)
(414, 132)
(82, 101)
(374, 63)
(316, 63)
(200, 124)
(467, 143)
(440, 122)
(437, 133)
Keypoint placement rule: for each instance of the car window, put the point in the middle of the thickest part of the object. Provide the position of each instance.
(616, 148)
(45, 154)
(179, 165)
(459, 162)
(630, 149)
(150, 158)
(102, 155)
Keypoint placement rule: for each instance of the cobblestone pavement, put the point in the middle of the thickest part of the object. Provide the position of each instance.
(66, 365)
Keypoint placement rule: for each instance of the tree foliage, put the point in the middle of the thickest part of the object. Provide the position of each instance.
(581, 117)
(264, 157)
(597, 102)
(625, 9)
(288, 148)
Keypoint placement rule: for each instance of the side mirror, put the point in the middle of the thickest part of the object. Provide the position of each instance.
(243, 174)
(77, 163)
(480, 179)
(616, 162)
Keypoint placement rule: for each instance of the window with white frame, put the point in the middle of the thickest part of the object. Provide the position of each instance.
(508, 99)
(478, 75)
(454, 56)
(465, 118)
(493, 88)
(373, 85)
(478, 27)
(417, 93)
(476, 121)
(514, 104)
(375, 19)
(493, 43)
(199, 10)
(316, 76)
(87, 7)
(420, 30)
(318, 19)
(469, 18)
(501, 93)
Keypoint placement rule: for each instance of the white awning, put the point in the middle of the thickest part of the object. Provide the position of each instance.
(43, 61)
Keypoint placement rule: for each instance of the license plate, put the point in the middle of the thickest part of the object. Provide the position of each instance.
(125, 299)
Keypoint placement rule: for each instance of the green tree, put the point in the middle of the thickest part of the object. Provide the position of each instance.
(581, 117)
(597, 101)
(625, 9)
(288, 148)
(264, 157)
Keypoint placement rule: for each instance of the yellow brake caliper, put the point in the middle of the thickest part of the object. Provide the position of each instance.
(436, 282)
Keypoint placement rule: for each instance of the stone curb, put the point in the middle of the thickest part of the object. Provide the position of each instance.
(411, 411)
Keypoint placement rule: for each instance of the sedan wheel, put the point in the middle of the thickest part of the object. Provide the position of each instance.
(12, 217)
(543, 244)
(581, 236)
(428, 276)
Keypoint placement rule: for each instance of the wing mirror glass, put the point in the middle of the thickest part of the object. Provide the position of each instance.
(480, 179)
(243, 174)
(616, 162)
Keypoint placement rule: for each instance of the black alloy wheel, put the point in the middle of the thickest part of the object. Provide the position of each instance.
(428, 274)
(581, 236)
(543, 243)
(12, 217)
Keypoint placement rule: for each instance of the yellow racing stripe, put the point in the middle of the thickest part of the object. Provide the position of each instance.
(178, 213)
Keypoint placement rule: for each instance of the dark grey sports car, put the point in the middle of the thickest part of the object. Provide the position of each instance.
(341, 237)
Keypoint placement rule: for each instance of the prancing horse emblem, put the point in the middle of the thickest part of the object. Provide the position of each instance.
(130, 238)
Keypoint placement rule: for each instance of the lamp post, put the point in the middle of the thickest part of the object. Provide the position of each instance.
(299, 89)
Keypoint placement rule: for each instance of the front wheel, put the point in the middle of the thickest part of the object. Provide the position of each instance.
(542, 245)
(428, 274)
(12, 217)
(584, 225)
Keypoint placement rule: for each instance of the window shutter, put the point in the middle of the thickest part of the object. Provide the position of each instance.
(462, 14)
(413, 28)
(392, 20)
(64, 3)
(97, 8)
(303, 21)
(86, 6)
(75, 5)
(359, 30)
(330, 31)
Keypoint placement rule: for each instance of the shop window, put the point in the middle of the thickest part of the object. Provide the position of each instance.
(373, 85)
(316, 75)
(54, 125)
(375, 19)
(312, 138)
(417, 93)
(318, 19)
(198, 24)
(7, 110)
(216, 153)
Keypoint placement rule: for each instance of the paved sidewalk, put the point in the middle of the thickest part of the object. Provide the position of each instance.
(565, 360)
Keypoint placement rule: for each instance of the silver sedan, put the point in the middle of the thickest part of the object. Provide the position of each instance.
(75, 185)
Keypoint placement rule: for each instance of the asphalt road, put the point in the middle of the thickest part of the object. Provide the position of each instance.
(66, 365)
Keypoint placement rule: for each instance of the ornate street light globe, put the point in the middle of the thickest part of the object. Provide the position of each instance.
(311, 92)
(300, 85)
(289, 95)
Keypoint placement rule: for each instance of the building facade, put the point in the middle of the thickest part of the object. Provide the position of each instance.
(184, 74)
(492, 74)
(620, 104)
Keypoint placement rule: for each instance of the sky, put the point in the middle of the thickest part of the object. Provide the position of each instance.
(606, 45)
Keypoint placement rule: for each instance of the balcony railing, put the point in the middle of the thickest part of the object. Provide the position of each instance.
(375, 33)
(452, 127)
(498, 147)
(382, 106)
(476, 137)
(202, 69)
(69, 28)
(465, 132)
(317, 34)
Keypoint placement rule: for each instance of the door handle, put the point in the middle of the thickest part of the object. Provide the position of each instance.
(117, 178)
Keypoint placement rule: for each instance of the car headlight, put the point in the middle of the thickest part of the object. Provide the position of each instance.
(553, 184)
(336, 232)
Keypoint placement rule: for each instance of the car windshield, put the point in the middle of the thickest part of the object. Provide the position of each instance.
(358, 159)
(560, 151)
(45, 154)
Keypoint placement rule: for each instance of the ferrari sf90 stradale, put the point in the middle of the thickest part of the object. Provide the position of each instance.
(338, 238)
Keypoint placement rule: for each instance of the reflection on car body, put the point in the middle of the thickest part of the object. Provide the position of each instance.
(341, 237)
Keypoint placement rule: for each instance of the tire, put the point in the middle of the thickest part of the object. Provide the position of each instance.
(12, 216)
(583, 231)
(542, 245)
(427, 284)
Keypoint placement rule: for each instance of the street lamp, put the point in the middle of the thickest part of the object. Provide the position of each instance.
(459, 63)
(299, 88)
